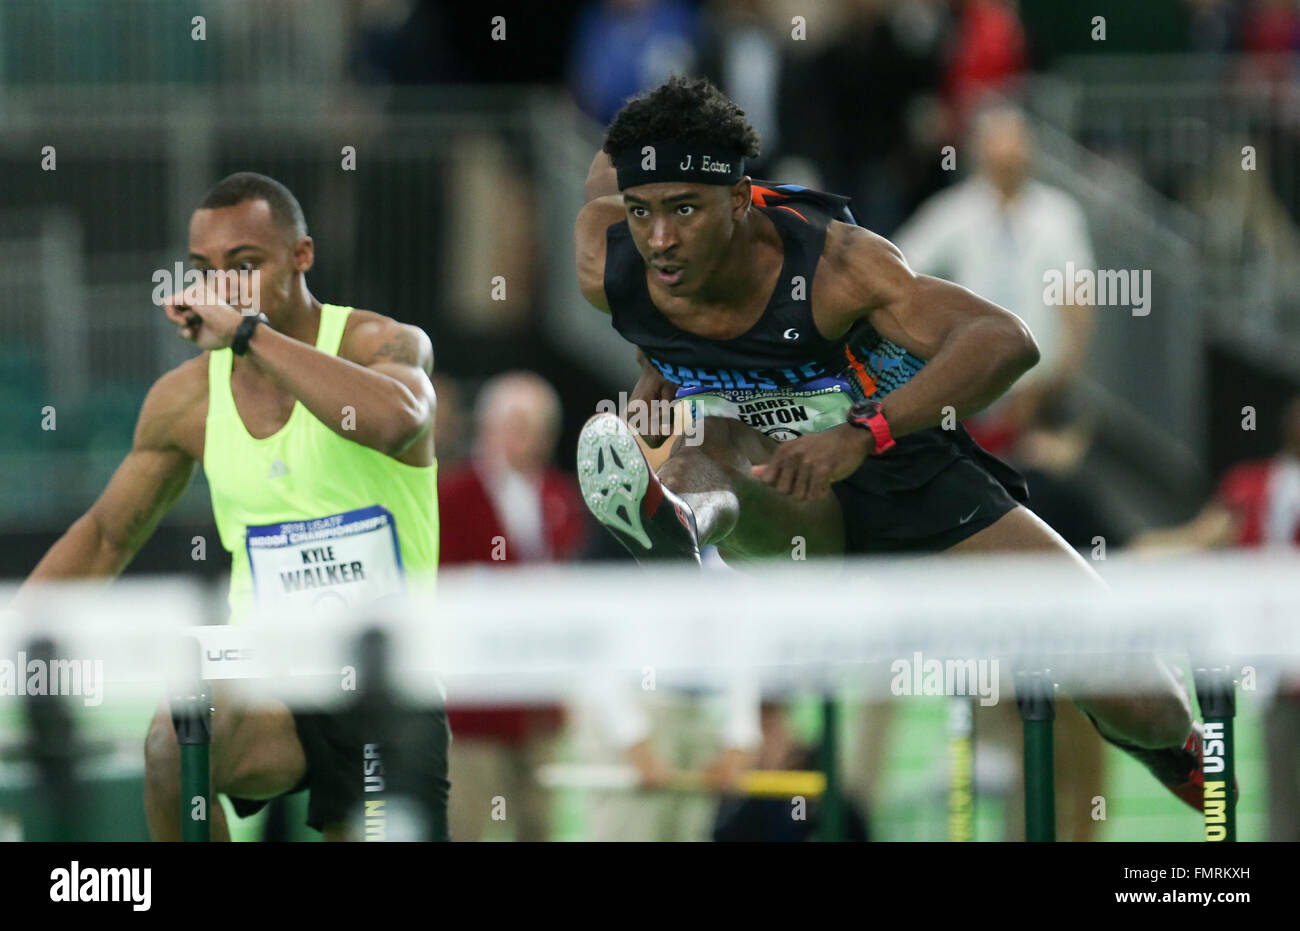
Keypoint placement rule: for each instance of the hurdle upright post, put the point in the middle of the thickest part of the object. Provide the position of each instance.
(1036, 698)
(831, 827)
(1216, 692)
(191, 708)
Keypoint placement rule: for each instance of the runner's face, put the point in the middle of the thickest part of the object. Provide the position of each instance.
(681, 230)
(246, 238)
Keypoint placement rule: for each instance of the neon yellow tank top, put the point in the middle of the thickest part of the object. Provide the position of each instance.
(308, 516)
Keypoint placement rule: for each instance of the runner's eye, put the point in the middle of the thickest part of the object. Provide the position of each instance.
(640, 212)
(686, 209)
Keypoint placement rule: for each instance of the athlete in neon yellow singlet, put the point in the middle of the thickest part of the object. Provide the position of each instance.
(314, 424)
(318, 515)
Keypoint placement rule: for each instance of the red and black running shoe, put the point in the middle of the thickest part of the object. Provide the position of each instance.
(625, 495)
(1181, 770)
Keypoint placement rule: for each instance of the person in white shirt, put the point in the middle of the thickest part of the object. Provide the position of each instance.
(997, 234)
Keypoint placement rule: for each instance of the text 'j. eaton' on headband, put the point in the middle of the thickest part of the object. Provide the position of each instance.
(696, 163)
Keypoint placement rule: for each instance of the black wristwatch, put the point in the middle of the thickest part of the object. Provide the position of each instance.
(244, 332)
(866, 415)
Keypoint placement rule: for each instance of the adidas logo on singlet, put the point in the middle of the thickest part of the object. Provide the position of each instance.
(278, 468)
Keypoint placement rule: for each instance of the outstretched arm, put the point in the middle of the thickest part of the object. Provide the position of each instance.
(102, 542)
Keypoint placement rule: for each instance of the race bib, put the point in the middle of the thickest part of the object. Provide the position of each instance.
(783, 413)
(328, 563)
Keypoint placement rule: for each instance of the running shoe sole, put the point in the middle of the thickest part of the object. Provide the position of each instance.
(623, 493)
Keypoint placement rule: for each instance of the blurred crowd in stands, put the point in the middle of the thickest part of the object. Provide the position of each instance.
(887, 80)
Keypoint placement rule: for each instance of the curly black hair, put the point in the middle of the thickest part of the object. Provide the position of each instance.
(683, 110)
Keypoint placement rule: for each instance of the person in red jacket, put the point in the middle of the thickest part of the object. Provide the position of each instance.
(507, 506)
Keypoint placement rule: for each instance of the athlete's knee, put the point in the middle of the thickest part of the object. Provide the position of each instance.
(716, 442)
(255, 754)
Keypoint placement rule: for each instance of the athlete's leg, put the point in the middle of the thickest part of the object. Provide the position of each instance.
(255, 754)
(742, 516)
(1156, 713)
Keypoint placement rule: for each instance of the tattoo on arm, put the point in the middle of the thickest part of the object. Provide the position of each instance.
(402, 349)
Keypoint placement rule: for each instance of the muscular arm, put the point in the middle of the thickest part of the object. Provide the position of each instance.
(390, 394)
(975, 350)
(102, 542)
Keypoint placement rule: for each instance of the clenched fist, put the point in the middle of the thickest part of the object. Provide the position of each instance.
(207, 325)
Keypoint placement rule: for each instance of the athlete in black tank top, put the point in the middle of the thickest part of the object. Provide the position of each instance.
(690, 221)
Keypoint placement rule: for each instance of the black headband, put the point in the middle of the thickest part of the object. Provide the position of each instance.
(697, 163)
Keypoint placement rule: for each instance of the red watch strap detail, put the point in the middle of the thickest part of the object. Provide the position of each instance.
(880, 430)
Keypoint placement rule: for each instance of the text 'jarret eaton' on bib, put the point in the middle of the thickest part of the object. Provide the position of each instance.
(340, 560)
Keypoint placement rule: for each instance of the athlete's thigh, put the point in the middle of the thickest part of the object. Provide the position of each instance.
(769, 522)
(730, 443)
(1020, 530)
(1115, 687)
(256, 752)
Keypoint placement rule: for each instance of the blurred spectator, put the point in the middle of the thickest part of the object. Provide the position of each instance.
(450, 439)
(740, 53)
(988, 53)
(998, 233)
(1050, 455)
(1257, 505)
(506, 506)
(659, 730)
(403, 42)
(768, 819)
(623, 47)
(1270, 27)
(1213, 26)
(848, 106)
(1249, 231)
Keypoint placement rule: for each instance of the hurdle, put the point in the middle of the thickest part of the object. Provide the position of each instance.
(535, 639)
(1036, 700)
(191, 708)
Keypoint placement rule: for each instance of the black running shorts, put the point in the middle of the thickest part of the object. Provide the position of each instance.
(346, 773)
(932, 490)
